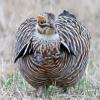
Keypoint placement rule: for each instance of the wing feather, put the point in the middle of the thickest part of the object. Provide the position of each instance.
(73, 34)
(24, 37)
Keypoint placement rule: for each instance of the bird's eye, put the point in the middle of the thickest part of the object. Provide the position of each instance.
(42, 22)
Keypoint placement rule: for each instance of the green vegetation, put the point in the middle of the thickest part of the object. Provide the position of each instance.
(16, 85)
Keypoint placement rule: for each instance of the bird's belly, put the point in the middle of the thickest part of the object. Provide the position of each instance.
(49, 63)
(49, 69)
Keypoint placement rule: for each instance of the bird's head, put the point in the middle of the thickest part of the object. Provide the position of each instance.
(46, 23)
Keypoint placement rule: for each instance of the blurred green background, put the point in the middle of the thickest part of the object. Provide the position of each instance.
(13, 12)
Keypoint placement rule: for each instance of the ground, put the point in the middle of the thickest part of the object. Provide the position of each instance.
(12, 13)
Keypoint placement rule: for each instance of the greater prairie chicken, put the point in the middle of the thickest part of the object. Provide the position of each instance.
(52, 50)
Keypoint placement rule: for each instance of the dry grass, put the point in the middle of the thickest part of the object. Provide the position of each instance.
(12, 13)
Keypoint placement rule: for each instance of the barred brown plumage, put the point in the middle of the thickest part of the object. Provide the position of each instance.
(52, 50)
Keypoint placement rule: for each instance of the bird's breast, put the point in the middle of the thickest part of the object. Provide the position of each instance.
(47, 54)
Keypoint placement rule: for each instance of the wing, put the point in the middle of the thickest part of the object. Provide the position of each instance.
(24, 37)
(74, 36)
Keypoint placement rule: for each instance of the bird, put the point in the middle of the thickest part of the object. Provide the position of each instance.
(52, 50)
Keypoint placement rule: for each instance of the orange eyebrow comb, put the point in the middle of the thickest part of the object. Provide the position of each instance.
(41, 18)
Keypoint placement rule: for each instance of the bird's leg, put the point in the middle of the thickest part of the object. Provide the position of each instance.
(39, 91)
(65, 89)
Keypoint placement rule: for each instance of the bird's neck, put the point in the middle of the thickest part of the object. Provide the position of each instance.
(46, 37)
